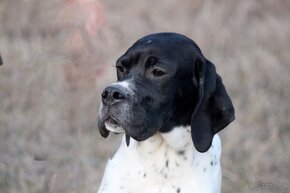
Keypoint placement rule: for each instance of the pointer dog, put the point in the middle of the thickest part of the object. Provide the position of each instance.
(169, 102)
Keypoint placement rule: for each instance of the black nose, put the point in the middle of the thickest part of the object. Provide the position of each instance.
(113, 94)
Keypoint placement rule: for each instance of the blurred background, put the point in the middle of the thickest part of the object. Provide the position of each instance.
(59, 54)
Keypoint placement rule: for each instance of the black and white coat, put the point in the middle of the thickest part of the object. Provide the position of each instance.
(166, 97)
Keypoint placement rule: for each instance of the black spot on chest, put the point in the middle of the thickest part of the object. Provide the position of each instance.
(180, 153)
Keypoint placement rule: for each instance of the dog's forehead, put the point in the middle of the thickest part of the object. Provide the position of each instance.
(161, 43)
(169, 48)
(143, 51)
(172, 51)
(164, 36)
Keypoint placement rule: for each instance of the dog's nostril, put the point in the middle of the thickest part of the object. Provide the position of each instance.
(113, 94)
(105, 94)
(118, 95)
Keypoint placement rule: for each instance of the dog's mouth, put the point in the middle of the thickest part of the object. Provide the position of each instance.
(112, 125)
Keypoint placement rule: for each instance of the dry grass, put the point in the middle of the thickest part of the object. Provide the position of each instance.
(49, 101)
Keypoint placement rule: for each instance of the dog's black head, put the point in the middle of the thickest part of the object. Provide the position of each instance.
(164, 81)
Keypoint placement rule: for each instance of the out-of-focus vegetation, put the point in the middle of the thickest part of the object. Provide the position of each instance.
(59, 54)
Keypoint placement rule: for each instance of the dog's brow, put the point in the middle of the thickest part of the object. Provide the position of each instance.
(151, 61)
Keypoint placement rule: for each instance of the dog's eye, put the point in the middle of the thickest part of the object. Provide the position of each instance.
(120, 69)
(157, 72)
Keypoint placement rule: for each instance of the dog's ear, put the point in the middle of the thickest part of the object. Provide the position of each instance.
(214, 109)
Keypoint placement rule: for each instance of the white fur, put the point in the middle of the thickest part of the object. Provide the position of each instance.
(125, 84)
(164, 163)
(149, 41)
(114, 128)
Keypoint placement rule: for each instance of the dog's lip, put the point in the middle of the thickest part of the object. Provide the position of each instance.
(111, 121)
(113, 125)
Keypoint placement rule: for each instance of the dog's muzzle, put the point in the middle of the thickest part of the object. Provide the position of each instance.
(114, 98)
(125, 111)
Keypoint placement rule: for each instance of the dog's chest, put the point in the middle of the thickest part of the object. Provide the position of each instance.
(160, 165)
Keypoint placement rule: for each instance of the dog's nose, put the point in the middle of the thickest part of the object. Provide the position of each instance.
(113, 94)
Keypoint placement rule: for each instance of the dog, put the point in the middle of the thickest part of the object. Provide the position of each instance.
(170, 104)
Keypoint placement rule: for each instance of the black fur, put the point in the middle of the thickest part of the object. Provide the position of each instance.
(174, 85)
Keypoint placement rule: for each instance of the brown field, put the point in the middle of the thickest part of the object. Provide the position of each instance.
(59, 54)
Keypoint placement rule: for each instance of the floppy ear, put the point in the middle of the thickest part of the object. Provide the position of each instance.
(214, 109)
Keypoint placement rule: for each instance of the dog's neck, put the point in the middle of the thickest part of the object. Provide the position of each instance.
(178, 139)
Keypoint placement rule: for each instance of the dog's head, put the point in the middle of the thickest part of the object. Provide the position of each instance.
(164, 81)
